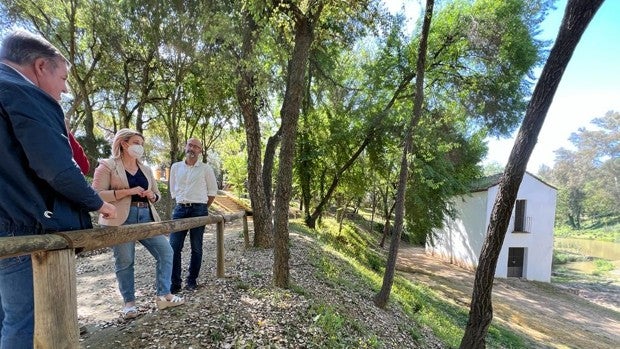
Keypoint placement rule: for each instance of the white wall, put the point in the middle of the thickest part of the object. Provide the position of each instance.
(538, 242)
(460, 241)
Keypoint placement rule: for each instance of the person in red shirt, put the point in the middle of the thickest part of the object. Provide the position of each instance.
(78, 154)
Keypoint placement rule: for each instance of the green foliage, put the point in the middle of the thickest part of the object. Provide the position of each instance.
(562, 257)
(328, 319)
(234, 161)
(479, 56)
(490, 48)
(595, 229)
(327, 268)
(445, 167)
(586, 176)
(492, 168)
(592, 271)
(155, 72)
(602, 266)
(353, 243)
(104, 148)
(333, 325)
(173, 74)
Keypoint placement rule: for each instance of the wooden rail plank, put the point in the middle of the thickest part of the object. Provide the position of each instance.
(92, 239)
(12, 246)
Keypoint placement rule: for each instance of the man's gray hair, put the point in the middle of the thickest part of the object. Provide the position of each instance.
(22, 47)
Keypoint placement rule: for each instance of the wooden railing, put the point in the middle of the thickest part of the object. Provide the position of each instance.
(54, 272)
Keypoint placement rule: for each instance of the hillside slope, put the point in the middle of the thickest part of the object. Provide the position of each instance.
(328, 305)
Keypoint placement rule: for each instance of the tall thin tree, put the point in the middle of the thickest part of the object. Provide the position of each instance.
(577, 16)
(388, 279)
(306, 20)
(249, 102)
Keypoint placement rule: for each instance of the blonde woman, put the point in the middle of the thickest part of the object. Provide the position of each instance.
(124, 181)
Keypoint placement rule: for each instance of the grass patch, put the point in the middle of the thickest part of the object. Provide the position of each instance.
(601, 229)
(334, 326)
(594, 270)
(328, 319)
(562, 256)
(602, 266)
(298, 289)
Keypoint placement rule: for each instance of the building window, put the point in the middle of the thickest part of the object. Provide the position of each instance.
(522, 222)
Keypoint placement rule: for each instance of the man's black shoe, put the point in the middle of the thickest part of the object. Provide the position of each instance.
(191, 287)
(175, 289)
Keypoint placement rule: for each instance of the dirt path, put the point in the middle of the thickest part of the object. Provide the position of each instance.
(553, 316)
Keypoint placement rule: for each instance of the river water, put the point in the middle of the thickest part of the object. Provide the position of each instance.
(600, 249)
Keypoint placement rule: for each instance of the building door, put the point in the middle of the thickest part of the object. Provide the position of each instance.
(515, 261)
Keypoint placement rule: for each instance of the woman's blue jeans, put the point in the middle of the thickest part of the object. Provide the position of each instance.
(17, 298)
(124, 255)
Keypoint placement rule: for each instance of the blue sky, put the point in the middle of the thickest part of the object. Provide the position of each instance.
(589, 88)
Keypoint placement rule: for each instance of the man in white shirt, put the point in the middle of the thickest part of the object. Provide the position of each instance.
(194, 187)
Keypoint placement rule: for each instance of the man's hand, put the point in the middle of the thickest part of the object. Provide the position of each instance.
(108, 210)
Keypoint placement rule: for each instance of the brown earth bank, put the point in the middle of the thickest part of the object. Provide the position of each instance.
(577, 315)
(243, 310)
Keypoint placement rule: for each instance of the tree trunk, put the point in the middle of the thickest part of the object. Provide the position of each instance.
(386, 229)
(270, 151)
(146, 85)
(249, 104)
(305, 175)
(576, 18)
(386, 226)
(342, 213)
(304, 33)
(388, 279)
(374, 208)
(89, 142)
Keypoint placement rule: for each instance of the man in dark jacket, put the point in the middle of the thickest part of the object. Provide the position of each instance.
(42, 188)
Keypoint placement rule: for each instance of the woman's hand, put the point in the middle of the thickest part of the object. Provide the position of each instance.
(149, 194)
(136, 191)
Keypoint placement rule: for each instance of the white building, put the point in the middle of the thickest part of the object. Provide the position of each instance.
(527, 251)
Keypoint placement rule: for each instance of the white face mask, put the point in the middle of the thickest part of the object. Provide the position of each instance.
(135, 150)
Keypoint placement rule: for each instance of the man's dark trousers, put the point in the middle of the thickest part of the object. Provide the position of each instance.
(177, 240)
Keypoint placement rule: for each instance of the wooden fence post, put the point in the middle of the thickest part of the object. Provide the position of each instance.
(220, 248)
(55, 300)
(246, 235)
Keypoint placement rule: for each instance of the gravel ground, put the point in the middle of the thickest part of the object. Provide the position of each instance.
(242, 310)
